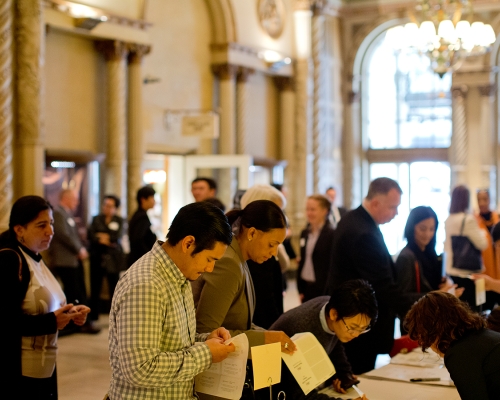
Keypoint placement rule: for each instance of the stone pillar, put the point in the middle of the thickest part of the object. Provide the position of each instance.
(241, 109)
(6, 110)
(459, 139)
(227, 95)
(114, 181)
(303, 171)
(226, 73)
(318, 43)
(29, 35)
(136, 140)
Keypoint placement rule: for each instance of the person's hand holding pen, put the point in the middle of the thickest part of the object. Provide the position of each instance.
(489, 282)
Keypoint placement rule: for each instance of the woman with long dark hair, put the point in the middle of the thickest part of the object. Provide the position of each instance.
(461, 223)
(33, 302)
(471, 352)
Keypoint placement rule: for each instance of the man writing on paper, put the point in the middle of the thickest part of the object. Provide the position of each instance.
(348, 313)
(155, 351)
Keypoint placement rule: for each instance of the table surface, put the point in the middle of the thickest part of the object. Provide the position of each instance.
(375, 389)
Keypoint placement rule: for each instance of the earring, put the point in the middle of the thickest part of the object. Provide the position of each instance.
(249, 239)
(22, 240)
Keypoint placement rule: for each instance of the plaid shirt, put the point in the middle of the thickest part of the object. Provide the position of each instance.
(152, 333)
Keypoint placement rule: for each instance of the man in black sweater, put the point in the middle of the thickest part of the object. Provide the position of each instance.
(140, 236)
(347, 314)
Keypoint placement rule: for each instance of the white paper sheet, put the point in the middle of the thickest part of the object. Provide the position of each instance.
(418, 358)
(407, 372)
(226, 379)
(310, 365)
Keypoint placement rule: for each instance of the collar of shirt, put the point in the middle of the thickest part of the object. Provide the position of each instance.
(322, 318)
(172, 271)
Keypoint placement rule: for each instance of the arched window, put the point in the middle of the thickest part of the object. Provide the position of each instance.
(406, 124)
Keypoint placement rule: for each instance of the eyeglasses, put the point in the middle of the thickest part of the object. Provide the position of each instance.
(356, 331)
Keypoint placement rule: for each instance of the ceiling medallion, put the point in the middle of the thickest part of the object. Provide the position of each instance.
(271, 16)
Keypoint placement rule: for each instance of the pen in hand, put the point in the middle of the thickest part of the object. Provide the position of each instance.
(425, 379)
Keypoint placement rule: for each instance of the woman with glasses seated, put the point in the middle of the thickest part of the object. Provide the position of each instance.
(348, 313)
(471, 352)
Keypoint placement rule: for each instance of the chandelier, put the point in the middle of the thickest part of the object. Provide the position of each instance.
(445, 31)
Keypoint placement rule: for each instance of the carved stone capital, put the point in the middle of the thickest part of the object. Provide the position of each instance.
(224, 71)
(137, 52)
(113, 50)
(354, 97)
(318, 7)
(284, 83)
(243, 73)
(459, 91)
(487, 90)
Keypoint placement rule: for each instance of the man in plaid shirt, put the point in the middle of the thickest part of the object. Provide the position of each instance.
(155, 351)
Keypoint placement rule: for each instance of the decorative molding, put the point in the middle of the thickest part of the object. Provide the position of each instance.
(243, 73)
(459, 91)
(113, 50)
(489, 90)
(284, 83)
(224, 71)
(137, 52)
(62, 6)
(272, 17)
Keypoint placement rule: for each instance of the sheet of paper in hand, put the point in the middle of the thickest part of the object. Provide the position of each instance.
(225, 379)
(309, 365)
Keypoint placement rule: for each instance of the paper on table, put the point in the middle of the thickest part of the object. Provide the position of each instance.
(407, 372)
(266, 363)
(226, 379)
(309, 365)
(480, 291)
(418, 358)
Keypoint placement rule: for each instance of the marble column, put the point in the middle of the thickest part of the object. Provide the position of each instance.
(318, 43)
(303, 171)
(226, 178)
(136, 141)
(459, 139)
(115, 176)
(29, 34)
(6, 110)
(241, 109)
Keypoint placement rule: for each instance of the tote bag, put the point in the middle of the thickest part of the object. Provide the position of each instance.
(465, 254)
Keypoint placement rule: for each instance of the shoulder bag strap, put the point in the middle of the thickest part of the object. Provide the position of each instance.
(417, 276)
(20, 263)
(462, 228)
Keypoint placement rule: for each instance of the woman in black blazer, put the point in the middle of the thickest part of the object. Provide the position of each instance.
(316, 246)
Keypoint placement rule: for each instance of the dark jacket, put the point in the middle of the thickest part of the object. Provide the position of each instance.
(359, 252)
(140, 236)
(66, 243)
(15, 283)
(474, 365)
(305, 318)
(109, 257)
(321, 259)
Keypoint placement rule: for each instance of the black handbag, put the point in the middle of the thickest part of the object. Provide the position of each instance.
(465, 255)
(248, 392)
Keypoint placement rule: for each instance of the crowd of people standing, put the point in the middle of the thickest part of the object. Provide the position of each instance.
(218, 275)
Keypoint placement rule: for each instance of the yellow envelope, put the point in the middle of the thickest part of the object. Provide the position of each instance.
(266, 362)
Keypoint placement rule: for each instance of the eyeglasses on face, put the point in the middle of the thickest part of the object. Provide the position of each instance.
(356, 331)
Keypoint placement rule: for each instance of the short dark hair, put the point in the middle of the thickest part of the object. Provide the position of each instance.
(418, 214)
(263, 215)
(144, 193)
(211, 183)
(206, 222)
(494, 319)
(216, 202)
(382, 186)
(352, 298)
(322, 200)
(460, 199)
(114, 198)
(441, 318)
(23, 211)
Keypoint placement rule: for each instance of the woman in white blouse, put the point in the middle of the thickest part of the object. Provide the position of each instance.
(462, 223)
